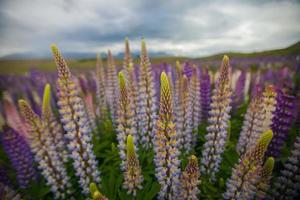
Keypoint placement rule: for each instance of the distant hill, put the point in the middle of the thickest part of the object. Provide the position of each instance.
(291, 50)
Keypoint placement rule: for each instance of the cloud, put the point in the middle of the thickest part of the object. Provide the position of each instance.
(191, 27)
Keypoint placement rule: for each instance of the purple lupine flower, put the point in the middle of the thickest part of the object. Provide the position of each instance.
(187, 70)
(216, 136)
(205, 91)
(287, 185)
(20, 156)
(238, 98)
(282, 121)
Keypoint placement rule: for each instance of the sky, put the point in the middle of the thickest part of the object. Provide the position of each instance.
(177, 27)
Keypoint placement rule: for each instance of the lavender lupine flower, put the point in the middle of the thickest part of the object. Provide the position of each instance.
(267, 113)
(239, 90)
(131, 81)
(205, 92)
(282, 121)
(76, 124)
(133, 173)
(101, 107)
(183, 125)
(6, 193)
(125, 125)
(189, 180)
(166, 145)
(54, 127)
(265, 178)
(287, 185)
(218, 122)
(95, 193)
(147, 99)
(112, 86)
(252, 124)
(44, 149)
(194, 104)
(20, 155)
(247, 173)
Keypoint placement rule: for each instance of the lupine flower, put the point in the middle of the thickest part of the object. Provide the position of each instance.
(177, 87)
(287, 185)
(125, 124)
(133, 173)
(189, 180)
(76, 124)
(267, 113)
(252, 124)
(101, 107)
(131, 81)
(54, 127)
(45, 152)
(282, 121)
(239, 89)
(20, 155)
(257, 119)
(6, 193)
(265, 177)
(205, 90)
(247, 173)
(112, 86)
(194, 104)
(183, 125)
(218, 122)
(95, 193)
(147, 99)
(166, 145)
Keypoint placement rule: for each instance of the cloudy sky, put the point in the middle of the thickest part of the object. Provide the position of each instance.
(180, 27)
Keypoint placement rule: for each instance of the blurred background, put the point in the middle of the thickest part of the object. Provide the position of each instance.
(188, 30)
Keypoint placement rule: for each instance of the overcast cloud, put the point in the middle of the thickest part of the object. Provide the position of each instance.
(182, 27)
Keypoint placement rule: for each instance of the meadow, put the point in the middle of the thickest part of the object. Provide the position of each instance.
(220, 127)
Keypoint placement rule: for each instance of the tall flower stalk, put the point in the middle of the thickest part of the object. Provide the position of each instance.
(246, 175)
(133, 173)
(95, 193)
(76, 124)
(218, 122)
(194, 105)
(112, 86)
(125, 125)
(147, 99)
(20, 156)
(205, 92)
(266, 175)
(189, 180)
(44, 148)
(101, 107)
(166, 145)
(282, 121)
(287, 184)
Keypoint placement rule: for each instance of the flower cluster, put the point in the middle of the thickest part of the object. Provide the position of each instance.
(147, 99)
(166, 145)
(282, 121)
(189, 180)
(101, 107)
(287, 184)
(125, 125)
(133, 174)
(112, 86)
(46, 154)
(205, 93)
(76, 124)
(246, 175)
(218, 122)
(239, 90)
(19, 154)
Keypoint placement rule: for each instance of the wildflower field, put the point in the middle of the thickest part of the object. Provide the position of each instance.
(218, 129)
